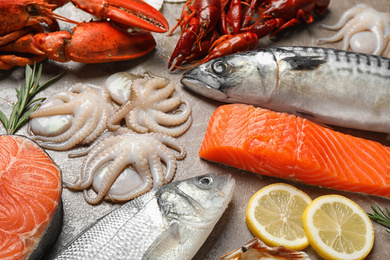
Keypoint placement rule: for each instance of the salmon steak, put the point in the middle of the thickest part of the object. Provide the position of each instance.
(30, 199)
(289, 147)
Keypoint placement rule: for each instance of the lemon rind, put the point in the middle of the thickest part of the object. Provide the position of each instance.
(260, 232)
(315, 241)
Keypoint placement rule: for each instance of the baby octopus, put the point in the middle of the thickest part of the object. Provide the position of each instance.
(76, 116)
(149, 104)
(123, 165)
(364, 30)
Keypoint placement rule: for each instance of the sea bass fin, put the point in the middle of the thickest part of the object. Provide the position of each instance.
(169, 239)
(304, 62)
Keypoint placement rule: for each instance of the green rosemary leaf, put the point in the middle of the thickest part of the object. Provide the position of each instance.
(24, 106)
(3, 119)
(35, 101)
(25, 116)
(380, 216)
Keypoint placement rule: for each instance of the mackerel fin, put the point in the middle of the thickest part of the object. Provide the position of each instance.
(304, 62)
(170, 238)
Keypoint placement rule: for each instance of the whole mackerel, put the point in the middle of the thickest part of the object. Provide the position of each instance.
(325, 85)
(171, 222)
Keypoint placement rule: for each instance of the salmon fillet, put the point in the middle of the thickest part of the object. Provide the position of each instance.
(289, 147)
(30, 199)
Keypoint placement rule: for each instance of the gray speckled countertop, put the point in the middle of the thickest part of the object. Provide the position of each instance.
(231, 231)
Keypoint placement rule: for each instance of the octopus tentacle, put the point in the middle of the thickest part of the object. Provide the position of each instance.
(153, 105)
(169, 104)
(158, 89)
(106, 139)
(113, 122)
(102, 154)
(379, 39)
(156, 169)
(169, 119)
(172, 143)
(358, 27)
(180, 116)
(131, 162)
(105, 114)
(67, 140)
(64, 109)
(140, 164)
(98, 120)
(90, 108)
(174, 131)
(386, 52)
(135, 120)
(79, 120)
(169, 160)
(345, 17)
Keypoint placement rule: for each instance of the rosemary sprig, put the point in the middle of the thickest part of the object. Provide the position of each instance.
(380, 216)
(24, 106)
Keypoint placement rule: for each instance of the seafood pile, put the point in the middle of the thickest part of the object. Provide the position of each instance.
(211, 29)
(125, 162)
(121, 142)
(23, 39)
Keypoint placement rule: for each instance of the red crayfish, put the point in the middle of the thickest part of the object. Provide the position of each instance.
(23, 39)
(215, 28)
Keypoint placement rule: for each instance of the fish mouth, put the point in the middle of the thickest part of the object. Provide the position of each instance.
(228, 187)
(225, 191)
(203, 83)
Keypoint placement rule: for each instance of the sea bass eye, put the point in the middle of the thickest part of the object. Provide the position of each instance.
(220, 68)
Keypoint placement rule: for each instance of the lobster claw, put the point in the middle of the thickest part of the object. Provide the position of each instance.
(134, 13)
(87, 44)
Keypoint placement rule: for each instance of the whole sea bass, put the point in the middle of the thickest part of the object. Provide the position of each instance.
(326, 85)
(171, 222)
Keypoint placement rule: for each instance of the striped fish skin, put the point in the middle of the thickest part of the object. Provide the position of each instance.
(171, 222)
(328, 86)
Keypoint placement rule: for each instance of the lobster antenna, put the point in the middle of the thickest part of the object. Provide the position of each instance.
(62, 18)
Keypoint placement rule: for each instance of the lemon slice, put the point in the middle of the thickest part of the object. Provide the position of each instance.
(274, 215)
(338, 228)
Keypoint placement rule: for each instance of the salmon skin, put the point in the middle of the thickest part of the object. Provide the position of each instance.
(289, 147)
(327, 86)
(30, 199)
(169, 222)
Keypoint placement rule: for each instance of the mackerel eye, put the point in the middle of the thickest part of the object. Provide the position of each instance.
(205, 181)
(220, 68)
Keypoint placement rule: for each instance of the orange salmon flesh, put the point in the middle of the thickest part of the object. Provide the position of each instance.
(30, 192)
(289, 147)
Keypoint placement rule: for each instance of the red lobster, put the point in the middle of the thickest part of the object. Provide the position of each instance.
(239, 25)
(23, 40)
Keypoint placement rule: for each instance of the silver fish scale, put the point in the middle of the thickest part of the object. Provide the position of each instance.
(331, 86)
(339, 59)
(345, 87)
(117, 236)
